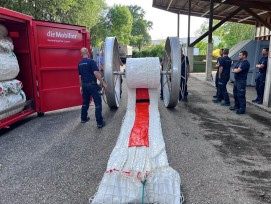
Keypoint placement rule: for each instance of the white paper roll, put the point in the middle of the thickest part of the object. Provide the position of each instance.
(143, 72)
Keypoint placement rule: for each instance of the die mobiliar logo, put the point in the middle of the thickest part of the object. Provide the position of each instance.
(61, 35)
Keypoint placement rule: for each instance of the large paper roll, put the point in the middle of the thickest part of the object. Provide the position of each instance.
(143, 72)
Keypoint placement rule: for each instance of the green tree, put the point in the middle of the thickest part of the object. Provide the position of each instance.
(151, 51)
(139, 35)
(119, 23)
(230, 33)
(78, 12)
(99, 32)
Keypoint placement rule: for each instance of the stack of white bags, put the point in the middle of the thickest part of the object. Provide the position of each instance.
(11, 93)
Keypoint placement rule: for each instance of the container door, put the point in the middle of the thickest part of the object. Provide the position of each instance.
(57, 49)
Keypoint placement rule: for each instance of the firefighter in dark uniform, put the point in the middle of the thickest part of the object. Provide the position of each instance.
(240, 71)
(224, 69)
(88, 75)
(260, 81)
(217, 71)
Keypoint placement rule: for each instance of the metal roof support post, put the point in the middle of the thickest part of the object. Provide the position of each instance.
(178, 26)
(190, 49)
(267, 90)
(189, 21)
(211, 18)
(209, 54)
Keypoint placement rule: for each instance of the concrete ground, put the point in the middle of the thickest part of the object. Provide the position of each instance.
(222, 158)
(250, 90)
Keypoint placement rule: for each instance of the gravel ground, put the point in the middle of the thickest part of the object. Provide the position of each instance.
(222, 157)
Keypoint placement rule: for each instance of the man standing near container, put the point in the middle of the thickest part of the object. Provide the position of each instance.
(224, 70)
(88, 75)
(260, 81)
(239, 89)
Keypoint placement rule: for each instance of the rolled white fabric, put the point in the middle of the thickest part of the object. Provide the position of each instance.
(143, 72)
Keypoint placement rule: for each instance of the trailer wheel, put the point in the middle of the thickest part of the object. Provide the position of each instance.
(40, 114)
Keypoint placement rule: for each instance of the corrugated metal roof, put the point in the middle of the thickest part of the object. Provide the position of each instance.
(222, 8)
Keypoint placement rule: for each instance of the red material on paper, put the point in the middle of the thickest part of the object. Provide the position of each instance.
(140, 132)
(142, 94)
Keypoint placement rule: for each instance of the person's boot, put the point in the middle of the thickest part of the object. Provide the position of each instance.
(216, 101)
(233, 108)
(84, 121)
(101, 125)
(226, 103)
(240, 112)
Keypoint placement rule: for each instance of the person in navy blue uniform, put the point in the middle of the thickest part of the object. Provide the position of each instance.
(260, 81)
(88, 75)
(217, 71)
(224, 69)
(240, 71)
(185, 72)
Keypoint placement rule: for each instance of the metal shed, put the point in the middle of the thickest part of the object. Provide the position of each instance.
(254, 12)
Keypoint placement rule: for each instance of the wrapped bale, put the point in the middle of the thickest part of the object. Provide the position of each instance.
(13, 86)
(6, 45)
(3, 90)
(9, 100)
(9, 67)
(3, 31)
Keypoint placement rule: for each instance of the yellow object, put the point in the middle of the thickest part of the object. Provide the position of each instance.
(216, 53)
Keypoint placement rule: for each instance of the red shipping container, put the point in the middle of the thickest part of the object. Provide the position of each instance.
(48, 54)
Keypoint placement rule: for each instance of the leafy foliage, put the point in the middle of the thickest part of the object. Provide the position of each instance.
(139, 35)
(229, 33)
(78, 12)
(126, 23)
(119, 23)
(150, 51)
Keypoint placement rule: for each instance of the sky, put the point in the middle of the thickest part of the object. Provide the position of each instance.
(164, 22)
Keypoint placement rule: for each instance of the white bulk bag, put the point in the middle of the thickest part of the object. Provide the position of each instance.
(12, 86)
(9, 67)
(9, 100)
(3, 31)
(6, 45)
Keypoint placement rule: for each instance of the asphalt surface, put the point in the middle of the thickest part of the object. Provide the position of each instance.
(222, 158)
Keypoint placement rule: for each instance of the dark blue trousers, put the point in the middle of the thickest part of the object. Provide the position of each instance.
(216, 82)
(260, 84)
(90, 89)
(239, 94)
(222, 93)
